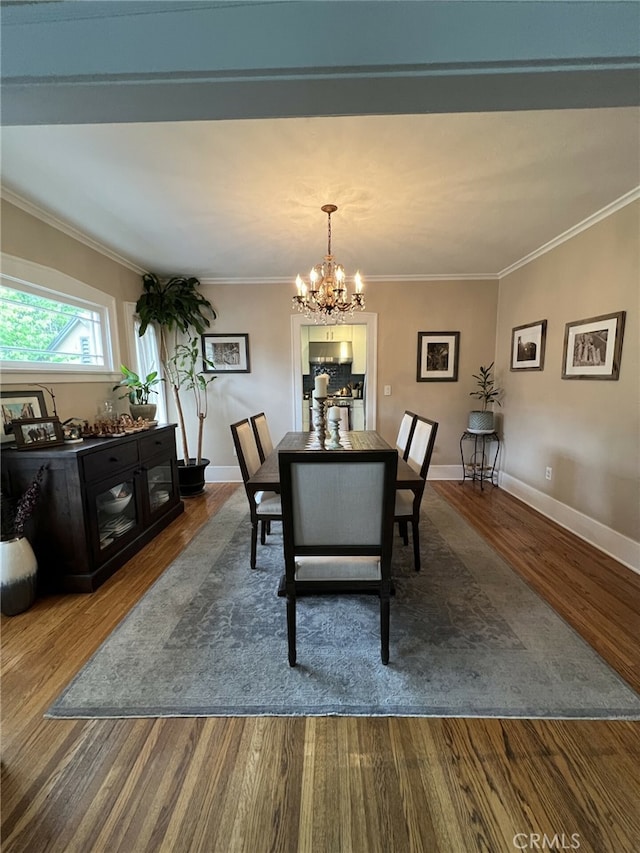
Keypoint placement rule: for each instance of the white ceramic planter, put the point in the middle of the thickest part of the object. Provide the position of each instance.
(18, 576)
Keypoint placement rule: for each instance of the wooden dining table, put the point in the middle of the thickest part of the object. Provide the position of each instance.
(267, 477)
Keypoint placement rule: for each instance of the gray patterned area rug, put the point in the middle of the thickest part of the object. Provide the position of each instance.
(468, 639)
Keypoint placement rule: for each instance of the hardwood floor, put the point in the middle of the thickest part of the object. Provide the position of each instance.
(329, 785)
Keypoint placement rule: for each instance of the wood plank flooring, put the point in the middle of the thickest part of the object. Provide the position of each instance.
(321, 785)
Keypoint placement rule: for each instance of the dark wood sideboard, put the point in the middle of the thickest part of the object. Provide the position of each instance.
(102, 500)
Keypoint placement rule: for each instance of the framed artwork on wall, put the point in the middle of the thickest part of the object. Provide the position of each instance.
(18, 405)
(527, 346)
(438, 356)
(38, 432)
(593, 347)
(226, 353)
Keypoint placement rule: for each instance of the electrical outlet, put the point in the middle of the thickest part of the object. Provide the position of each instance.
(548, 472)
(387, 390)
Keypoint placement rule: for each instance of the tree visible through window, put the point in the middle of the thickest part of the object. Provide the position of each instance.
(46, 331)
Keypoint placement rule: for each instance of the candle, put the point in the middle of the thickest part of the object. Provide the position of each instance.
(334, 413)
(321, 384)
(358, 282)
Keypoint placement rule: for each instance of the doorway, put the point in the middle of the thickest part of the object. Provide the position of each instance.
(365, 318)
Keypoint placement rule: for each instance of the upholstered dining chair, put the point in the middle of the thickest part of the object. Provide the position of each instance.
(337, 524)
(405, 431)
(262, 434)
(407, 509)
(265, 507)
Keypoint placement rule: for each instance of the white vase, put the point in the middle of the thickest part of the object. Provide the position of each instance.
(18, 575)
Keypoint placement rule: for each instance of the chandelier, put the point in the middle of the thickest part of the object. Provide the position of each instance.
(326, 299)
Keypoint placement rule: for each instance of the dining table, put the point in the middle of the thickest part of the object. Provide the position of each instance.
(267, 477)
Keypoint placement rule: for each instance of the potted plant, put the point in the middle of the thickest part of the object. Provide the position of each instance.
(482, 420)
(18, 567)
(177, 309)
(187, 365)
(138, 391)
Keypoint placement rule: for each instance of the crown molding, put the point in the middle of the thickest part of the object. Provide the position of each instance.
(606, 211)
(50, 219)
(369, 279)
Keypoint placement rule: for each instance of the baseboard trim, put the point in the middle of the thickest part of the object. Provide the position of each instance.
(621, 548)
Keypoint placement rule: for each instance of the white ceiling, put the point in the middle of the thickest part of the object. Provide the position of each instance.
(418, 195)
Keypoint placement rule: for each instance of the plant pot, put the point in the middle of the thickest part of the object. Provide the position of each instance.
(147, 411)
(191, 477)
(481, 422)
(18, 576)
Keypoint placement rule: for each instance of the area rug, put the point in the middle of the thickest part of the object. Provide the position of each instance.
(469, 638)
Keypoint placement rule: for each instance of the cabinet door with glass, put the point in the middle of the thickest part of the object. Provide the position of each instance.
(161, 485)
(115, 513)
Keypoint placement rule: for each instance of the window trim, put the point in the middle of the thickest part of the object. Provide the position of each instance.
(52, 283)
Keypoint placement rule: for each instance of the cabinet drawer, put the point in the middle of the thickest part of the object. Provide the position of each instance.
(110, 460)
(158, 442)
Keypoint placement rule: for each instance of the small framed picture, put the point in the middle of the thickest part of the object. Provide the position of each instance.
(37, 433)
(225, 353)
(527, 346)
(593, 347)
(18, 405)
(438, 356)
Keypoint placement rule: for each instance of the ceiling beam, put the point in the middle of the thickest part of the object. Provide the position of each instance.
(79, 62)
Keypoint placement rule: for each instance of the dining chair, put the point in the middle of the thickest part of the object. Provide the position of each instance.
(405, 431)
(265, 507)
(337, 524)
(262, 434)
(407, 508)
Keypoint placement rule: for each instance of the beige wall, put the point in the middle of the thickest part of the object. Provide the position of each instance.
(264, 311)
(25, 236)
(588, 431)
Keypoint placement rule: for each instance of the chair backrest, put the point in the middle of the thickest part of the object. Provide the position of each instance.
(405, 432)
(421, 445)
(245, 443)
(262, 434)
(338, 503)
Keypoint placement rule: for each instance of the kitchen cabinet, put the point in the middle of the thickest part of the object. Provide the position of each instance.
(359, 344)
(329, 333)
(357, 415)
(102, 501)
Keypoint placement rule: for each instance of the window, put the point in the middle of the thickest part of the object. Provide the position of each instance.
(47, 331)
(50, 322)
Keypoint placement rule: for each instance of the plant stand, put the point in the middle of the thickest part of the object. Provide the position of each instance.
(475, 452)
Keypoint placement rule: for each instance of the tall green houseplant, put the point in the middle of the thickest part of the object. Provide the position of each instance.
(176, 308)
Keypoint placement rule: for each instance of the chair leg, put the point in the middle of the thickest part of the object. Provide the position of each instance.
(416, 544)
(404, 531)
(291, 628)
(384, 629)
(254, 543)
(263, 532)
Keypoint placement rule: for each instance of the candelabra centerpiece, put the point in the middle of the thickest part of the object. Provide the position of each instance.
(326, 298)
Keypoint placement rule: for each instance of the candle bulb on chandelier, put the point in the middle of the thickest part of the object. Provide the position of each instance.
(358, 282)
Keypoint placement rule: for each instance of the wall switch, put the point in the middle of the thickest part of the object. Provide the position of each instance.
(387, 390)
(548, 472)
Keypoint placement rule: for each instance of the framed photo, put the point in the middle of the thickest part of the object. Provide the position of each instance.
(592, 348)
(527, 346)
(38, 432)
(18, 405)
(225, 353)
(438, 356)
